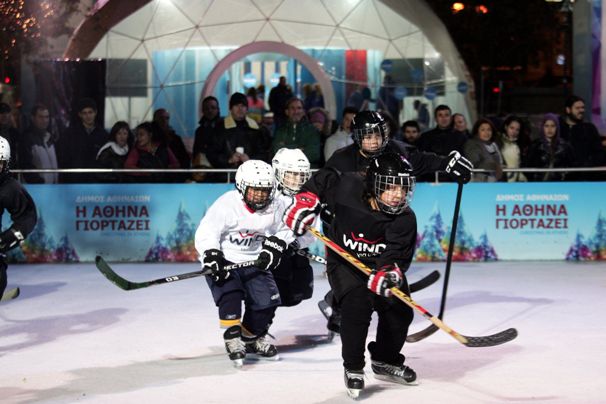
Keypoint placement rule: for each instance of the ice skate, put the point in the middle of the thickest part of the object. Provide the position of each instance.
(397, 374)
(10, 294)
(234, 345)
(334, 319)
(354, 382)
(261, 349)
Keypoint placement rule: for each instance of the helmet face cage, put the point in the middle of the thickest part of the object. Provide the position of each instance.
(253, 199)
(368, 129)
(255, 182)
(292, 170)
(392, 184)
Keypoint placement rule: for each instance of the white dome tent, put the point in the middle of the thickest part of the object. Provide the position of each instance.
(176, 44)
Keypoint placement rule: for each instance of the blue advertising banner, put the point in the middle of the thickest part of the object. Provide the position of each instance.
(143, 222)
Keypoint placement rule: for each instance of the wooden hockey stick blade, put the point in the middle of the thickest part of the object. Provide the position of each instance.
(483, 341)
(10, 294)
(424, 282)
(125, 284)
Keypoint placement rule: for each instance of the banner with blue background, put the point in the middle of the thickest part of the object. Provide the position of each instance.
(156, 223)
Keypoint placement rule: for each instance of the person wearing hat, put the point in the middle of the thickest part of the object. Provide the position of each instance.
(8, 130)
(237, 138)
(79, 145)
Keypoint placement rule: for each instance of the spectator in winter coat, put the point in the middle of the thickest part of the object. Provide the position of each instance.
(510, 149)
(38, 149)
(342, 137)
(150, 152)
(113, 153)
(298, 133)
(483, 152)
(550, 151)
(79, 145)
(584, 139)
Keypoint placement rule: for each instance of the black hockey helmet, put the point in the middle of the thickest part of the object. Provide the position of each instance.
(390, 181)
(366, 123)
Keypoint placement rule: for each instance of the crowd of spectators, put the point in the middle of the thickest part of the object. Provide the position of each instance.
(255, 128)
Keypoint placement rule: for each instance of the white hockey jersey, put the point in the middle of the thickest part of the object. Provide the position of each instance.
(231, 227)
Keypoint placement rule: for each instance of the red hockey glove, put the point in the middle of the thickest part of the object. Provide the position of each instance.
(302, 212)
(385, 278)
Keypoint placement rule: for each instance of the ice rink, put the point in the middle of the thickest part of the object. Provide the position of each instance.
(72, 336)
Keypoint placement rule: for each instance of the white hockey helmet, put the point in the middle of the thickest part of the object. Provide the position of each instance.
(256, 183)
(5, 154)
(292, 169)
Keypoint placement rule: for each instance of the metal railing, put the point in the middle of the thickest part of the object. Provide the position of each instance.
(231, 171)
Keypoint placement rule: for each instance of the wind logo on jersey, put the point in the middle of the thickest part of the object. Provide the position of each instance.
(362, 246)
(246, 238)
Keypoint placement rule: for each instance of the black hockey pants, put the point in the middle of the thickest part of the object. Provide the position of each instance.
(395, 317)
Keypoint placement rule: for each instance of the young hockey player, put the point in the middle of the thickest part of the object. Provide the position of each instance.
(294, 276)
(371, 138)
(19, 204)
(373, 221)
(243, 225)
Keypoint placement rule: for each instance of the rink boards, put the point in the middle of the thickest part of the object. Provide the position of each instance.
(156, 222)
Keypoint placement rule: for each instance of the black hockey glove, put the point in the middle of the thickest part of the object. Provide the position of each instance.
(385, 278)
(270, 255)
(215, 261)
(292, 248)
(302, 212)
(458, 167)
(9, 239)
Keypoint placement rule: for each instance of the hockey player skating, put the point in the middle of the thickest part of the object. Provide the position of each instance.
(371, 138)
(294, 276)
(372, 220)
(243, 225)
(20, 205)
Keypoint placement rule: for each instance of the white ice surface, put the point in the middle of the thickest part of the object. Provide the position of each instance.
(72, 336)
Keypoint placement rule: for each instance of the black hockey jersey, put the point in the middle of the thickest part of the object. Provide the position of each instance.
(350, 159)
(376, 238)
(19, 204)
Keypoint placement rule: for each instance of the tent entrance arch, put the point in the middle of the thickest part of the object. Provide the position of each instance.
(310, 64)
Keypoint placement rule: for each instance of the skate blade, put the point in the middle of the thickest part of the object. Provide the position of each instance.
(397, 380)
(354, 393)
(257, 357)
(238, 363)
(331, 336)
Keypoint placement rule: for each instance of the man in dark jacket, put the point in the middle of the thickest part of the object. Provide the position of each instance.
(79, 145)
(236, 138)
(584, 139)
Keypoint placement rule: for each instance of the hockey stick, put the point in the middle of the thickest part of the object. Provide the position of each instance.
(485, 341)
(314, 257)
(424, 282)
(418, 336)
(125, 284)
(10, 294)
